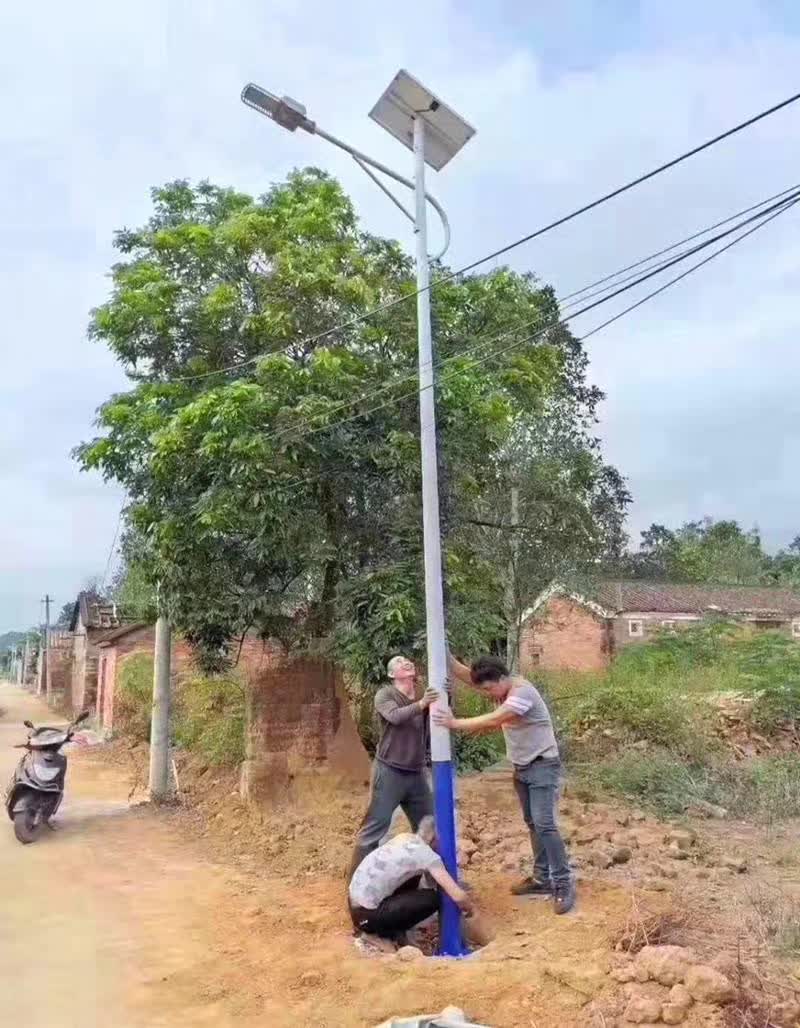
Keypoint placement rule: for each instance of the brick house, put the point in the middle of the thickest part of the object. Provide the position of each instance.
(92, 618)
(566, 630)
(117, 645)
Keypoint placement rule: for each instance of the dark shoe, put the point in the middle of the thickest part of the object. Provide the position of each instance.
(531, 887)
(564, 898)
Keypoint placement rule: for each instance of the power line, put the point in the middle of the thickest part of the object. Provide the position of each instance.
(592, 205)
(389, 386)
(778, 209)
(111, 550)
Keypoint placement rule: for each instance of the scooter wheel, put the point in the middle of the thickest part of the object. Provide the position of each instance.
(27, 825)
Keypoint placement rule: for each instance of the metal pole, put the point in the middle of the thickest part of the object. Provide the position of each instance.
(46, 649)
(159, 727)
(450, 942)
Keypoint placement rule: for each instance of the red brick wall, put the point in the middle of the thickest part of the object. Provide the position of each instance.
(565, 636)
(299, 724)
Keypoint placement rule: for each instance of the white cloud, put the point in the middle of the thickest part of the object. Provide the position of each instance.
(107, 101)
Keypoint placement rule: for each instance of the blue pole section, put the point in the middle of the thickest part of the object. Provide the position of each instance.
(450, 941)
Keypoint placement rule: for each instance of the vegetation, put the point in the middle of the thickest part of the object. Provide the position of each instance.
(646, 728)
(272, 464)
(210, 720)
(710, 551)
(134, 696)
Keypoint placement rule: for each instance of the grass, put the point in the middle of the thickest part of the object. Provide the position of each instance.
(211, 718)
(645, 728)
(134, 698)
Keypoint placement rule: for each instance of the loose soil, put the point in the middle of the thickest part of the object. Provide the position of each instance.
(209, 914)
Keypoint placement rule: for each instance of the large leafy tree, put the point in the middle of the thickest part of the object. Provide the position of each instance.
(272, 464)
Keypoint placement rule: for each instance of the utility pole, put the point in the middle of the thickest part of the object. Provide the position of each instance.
(159, 727)
(512, 590)
(26, 652)
(44, 659)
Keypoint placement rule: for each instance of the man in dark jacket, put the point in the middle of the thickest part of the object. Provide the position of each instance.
(398, 776)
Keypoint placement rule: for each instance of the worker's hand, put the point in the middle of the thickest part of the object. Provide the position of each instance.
(444, 718)
(466, 905)
(430, 696)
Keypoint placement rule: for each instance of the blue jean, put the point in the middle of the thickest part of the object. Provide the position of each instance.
(537, 786)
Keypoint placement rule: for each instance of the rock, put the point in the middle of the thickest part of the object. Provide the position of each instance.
(587, 834)
(734, 863)
(673, 1014)
(664, 871)
(654, 884)
(621, 855)
(680, 996)
(682, 838)
(638, 815)
(583, 976)
(409, 953)
(311, 979)
(676, 852)
(642, 1009)
(701, 808)
(468, 846)
(624, 974)
(727, 965)
(666, 965)
(707, 985)
(600, 858)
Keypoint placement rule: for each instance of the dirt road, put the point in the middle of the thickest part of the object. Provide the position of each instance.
(133, 918)
(113, 919)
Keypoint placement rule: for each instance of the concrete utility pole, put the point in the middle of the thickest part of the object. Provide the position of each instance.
(26, 652)
(44, 659)
(512, 590)
(159, 728)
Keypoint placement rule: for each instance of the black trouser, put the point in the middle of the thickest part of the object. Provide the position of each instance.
(406, 907)
(391, 788)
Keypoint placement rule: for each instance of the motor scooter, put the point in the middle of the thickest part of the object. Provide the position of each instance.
(37, 786)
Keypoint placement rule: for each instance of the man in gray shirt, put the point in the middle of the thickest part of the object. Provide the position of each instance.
(398, 776)
(532, 748)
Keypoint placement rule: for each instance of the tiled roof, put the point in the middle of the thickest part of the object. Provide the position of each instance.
(669, 598)
(93, 613)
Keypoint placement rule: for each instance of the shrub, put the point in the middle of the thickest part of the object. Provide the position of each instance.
(210, 718)
(765, 789)
(134, 696)
(475, 752)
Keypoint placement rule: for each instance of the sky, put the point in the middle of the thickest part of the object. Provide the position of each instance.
(103, 101)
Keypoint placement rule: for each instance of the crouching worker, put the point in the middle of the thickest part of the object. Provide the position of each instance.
(387, 896)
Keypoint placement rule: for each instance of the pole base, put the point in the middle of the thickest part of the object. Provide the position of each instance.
(451, 941)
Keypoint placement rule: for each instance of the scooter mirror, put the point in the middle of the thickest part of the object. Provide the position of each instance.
(82, 717)
(28, 724)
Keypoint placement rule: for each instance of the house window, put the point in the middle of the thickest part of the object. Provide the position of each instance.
(668, 626)
(796, 629)
(635, 628)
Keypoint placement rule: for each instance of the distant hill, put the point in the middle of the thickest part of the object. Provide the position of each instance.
(11, 639)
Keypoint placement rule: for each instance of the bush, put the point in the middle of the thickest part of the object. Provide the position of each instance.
(475, 752)
(134, 696)
(210, 718)
(765, 789)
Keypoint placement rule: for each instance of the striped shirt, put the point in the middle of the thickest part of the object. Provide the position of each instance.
(531, 735)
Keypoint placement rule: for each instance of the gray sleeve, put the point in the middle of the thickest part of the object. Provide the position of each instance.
(393, 712)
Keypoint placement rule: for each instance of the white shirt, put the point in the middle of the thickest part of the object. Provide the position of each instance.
(385, 869)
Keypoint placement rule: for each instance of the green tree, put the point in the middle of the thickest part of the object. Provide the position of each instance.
(283, 494)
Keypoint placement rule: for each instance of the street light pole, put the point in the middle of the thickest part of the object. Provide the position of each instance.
(450, 929)
(435, 133)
